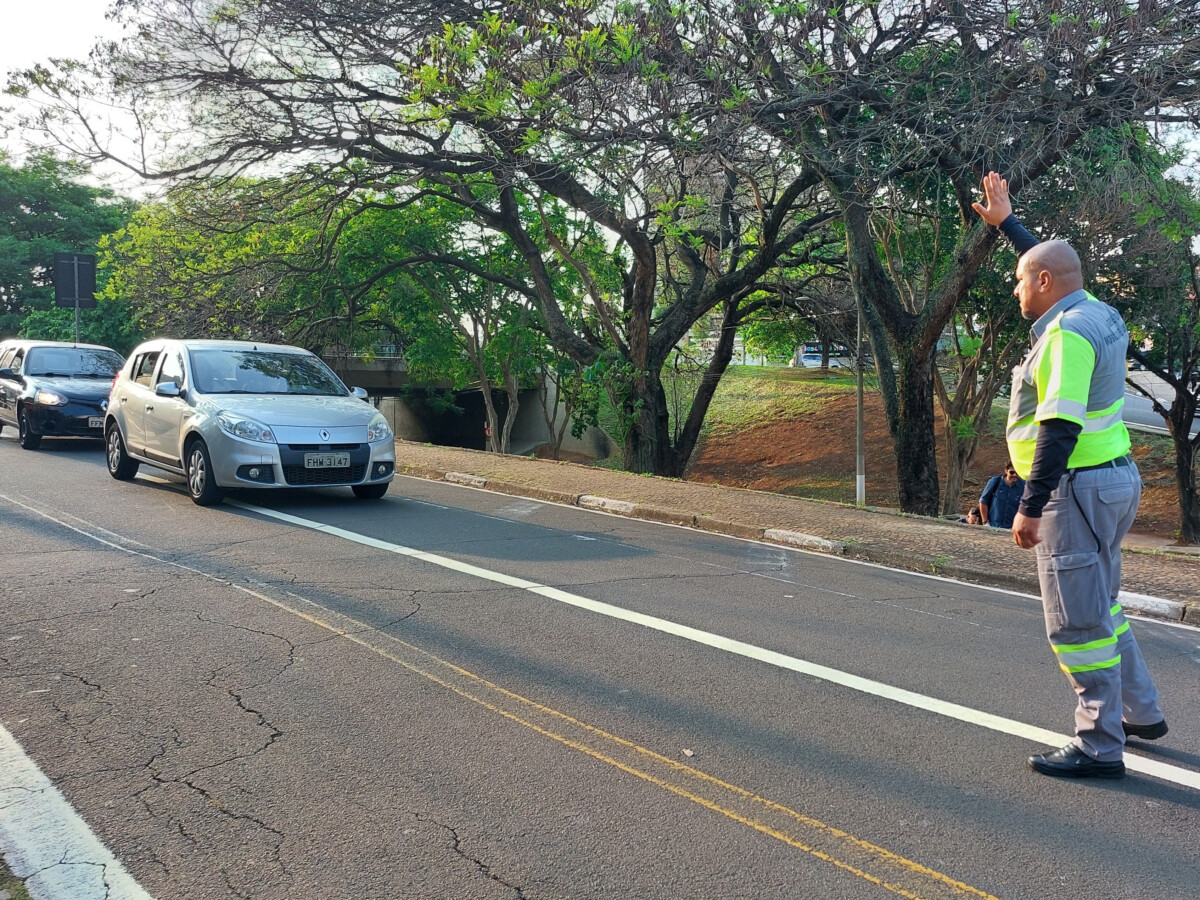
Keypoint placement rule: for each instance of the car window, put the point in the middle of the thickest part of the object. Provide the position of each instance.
(144, 370)
(172, 370)
(5, 356)
(18, 362)
(73, 362)
(221, 371)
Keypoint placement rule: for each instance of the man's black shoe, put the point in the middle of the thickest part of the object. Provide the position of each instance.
(1145, 732)
(1071, 762)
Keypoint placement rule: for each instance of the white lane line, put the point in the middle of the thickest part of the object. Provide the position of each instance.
(45, 841)
(1153, 767)
(847, 560)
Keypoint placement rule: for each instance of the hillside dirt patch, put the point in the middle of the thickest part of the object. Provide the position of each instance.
(814, 458)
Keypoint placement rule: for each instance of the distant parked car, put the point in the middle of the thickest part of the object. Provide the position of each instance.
(55, 389)
(233, 414)
(813, 361)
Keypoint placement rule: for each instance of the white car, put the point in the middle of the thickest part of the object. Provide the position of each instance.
(235, 414)
(813, 361)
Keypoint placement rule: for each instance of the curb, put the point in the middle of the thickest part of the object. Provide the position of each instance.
(1143, 604)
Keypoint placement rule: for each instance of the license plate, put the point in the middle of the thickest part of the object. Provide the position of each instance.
(95, 421)
(326, 460)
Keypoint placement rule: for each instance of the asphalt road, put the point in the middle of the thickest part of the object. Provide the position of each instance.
(240, 705)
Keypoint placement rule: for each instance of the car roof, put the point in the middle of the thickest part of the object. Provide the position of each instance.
(205, 344)
(28, 343)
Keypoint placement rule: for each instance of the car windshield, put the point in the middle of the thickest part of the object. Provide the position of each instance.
(73, 362)
(219, 371)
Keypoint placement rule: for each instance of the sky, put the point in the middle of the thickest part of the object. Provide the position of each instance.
(34, 30)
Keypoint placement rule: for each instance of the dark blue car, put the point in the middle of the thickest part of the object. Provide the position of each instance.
(55, 389)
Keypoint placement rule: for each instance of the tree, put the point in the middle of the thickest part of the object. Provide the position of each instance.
(1171, 318)
(871, 95)
(497, 108)
(45, 208)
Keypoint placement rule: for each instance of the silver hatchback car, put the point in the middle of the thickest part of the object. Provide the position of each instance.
(234, 414)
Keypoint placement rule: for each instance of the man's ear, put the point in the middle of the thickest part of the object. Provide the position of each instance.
(1045, 280)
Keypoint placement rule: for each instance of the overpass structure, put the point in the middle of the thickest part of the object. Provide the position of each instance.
(380, 376)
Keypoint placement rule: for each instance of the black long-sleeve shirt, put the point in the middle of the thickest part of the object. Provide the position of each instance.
(1056, 437)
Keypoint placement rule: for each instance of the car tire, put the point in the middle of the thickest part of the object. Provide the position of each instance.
(202, 485)
(25, 434)
(120, 465)
(370, 491)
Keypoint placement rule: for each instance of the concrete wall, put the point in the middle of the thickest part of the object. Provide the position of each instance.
(466, 429)
(404, 421)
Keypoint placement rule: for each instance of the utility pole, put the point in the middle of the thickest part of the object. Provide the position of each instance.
(860, 463)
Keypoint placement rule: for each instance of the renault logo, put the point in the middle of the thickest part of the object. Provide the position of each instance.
(324, 435)
(104, 403)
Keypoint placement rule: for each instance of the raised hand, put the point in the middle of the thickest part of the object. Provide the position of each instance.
(998, 207)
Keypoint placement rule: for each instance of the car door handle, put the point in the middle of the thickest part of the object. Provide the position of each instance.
(149, 408)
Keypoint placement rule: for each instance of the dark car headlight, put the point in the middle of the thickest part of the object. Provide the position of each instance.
(49, 398)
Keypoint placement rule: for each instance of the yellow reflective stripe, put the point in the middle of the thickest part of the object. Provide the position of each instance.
(1119, 621)
(1097, 654)
(1102, 421)
(1090, 645)
(1116, 407)
(1091, 667)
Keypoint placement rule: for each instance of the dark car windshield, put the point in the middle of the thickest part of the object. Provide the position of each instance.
(219, 371)
(73, 362)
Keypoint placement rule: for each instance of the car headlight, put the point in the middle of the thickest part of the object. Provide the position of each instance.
(50, 398)
(379, 429)
(247, 429)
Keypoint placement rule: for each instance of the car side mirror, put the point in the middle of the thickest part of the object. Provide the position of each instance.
(360, 393)
(167, 389)
(7, 373)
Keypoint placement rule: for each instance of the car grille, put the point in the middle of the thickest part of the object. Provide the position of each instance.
(309, 448)
(298, 475)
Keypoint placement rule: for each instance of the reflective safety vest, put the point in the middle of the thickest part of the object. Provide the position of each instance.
(1075, 371)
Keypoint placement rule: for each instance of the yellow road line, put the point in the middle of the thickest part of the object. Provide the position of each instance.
(839, 848)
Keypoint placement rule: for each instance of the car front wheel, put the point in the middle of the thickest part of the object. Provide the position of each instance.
(120, 466)
(370, 491)
(25, 434)
(200, 481)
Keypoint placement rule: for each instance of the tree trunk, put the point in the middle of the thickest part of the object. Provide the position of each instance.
(1183, 411)
(510, 415)
(493, 421)
(550, 411)
(960, 453)
(648, 441)
(913, 432)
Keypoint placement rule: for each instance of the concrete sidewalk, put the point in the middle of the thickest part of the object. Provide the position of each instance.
(1161, 584)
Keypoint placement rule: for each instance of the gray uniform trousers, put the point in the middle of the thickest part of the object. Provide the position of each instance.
(1079, 567)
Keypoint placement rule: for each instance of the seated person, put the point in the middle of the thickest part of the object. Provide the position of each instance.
(1000, 498)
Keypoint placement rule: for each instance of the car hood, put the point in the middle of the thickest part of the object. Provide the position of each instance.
(278, 410)
(89, 388)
